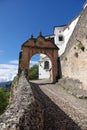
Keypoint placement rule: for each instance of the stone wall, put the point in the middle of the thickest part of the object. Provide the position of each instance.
(74, 60)
(25, 112)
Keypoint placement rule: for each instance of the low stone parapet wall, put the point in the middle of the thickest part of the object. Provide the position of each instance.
(25, 112)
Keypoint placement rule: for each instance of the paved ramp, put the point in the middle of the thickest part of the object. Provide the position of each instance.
(62, 110)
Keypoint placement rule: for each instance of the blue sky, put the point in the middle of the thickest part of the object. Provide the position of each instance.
(21, 18)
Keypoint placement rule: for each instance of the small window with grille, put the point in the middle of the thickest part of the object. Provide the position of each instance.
(46, 65)
(61, 38)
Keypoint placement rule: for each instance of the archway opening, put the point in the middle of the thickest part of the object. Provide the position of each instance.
(40, 67)
(34, 67)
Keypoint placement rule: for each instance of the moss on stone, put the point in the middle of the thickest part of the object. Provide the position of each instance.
(80, 45)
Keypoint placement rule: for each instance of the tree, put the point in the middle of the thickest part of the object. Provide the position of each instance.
(33, 72)
(4, 97)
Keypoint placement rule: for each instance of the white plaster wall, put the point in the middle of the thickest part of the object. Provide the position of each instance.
(42, 56)
(68, 32)
(58, 31)
(43, 73)
(85, 4)
(65, 33)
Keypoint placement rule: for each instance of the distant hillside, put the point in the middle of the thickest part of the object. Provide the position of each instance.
(3, 84)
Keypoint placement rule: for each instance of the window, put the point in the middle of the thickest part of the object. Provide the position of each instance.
(60, 38)
(46, 65)
(59, 31)
(52, 39)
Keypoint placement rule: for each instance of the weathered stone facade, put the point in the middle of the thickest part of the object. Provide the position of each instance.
(74, 60)
(39, 45)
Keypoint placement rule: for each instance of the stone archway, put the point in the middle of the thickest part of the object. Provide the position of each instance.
(38, 45)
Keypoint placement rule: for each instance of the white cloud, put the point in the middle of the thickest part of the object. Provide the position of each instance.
(14, 62)
(10, 70)
(33, 63)
(7, 66)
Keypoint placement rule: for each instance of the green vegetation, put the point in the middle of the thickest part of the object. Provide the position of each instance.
(80, 46)
(4, 99)
(33, 72)
(16, 79)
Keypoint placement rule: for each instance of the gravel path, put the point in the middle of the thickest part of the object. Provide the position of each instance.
(62, 111)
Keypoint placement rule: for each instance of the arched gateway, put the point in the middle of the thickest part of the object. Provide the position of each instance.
(38, 45)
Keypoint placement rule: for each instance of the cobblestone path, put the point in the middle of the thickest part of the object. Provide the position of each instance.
(62, 111)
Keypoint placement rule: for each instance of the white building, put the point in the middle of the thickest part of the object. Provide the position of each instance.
(61, 36)
(45, 66)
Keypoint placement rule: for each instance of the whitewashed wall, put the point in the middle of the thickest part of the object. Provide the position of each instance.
(43, 73)
(66, 32)
(85, 4)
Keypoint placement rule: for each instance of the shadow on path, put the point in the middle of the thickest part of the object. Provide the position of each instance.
(54, 117)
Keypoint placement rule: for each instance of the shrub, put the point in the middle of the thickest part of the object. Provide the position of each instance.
(4, 99)
(81, 46)
(33, 72)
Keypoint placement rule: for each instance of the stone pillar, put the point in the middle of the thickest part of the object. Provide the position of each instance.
(25, 62)
(54, 70)
(19, 67)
